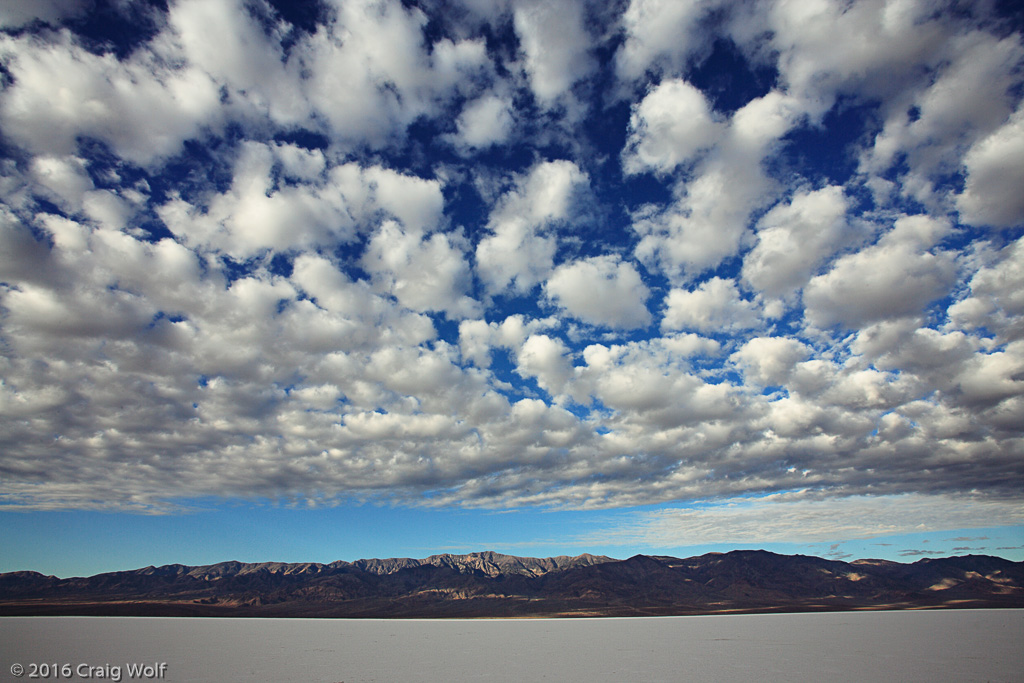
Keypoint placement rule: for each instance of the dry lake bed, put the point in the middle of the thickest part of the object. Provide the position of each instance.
(946, 645)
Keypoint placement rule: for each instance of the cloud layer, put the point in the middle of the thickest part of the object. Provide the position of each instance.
(514, 254)
(801, 518)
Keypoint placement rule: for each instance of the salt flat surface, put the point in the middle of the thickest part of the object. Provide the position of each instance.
(953, 645)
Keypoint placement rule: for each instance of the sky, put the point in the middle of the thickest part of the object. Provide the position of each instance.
(333, 279)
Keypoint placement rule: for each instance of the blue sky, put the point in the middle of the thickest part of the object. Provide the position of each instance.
(306, 281)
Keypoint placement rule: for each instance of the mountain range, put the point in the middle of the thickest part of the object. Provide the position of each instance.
(489, 584)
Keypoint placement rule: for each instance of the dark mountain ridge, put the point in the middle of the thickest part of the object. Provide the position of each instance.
(489, 584)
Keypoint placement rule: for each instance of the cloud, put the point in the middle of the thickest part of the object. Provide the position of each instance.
(825, 48)
(22, 258)
(478, 337)
(140, 107)
(545, 359)
(770, 360)
(259, 212)
(925, 356)
(555, 45)
(708, 219)
(802, 518)
(600, 291)
(920, 553)
(793, 240)
(930, 133)
(893, 278)
(371, 74)
(714, 305)
(363, 77)
(65, 178)
(669, 127)
(995, 299)
(994, 174)
(254, 216)
(660, 35)
(17, 13)
(521, 249)
(403, 255)
(227, 42)
(484, 122)
(658, 402)
(424, 274)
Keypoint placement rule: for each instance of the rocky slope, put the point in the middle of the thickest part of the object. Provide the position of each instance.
(492, 584)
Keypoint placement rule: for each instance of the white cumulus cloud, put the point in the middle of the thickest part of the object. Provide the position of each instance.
(600, 291)
(715, 305)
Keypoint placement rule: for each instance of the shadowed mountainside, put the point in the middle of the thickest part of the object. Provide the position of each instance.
(489, 584)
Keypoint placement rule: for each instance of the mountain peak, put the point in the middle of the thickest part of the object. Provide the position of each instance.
(489, 583)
